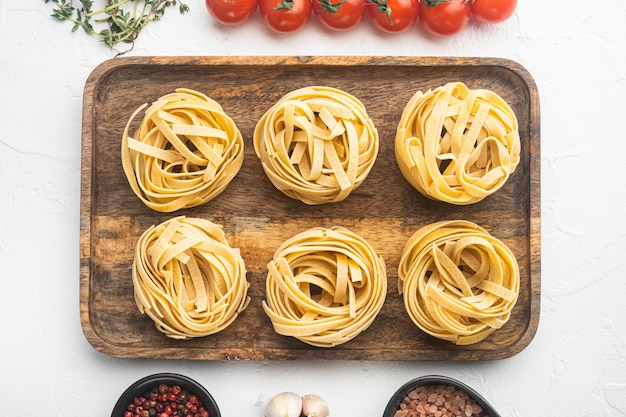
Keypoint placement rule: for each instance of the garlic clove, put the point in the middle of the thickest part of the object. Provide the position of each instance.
(314, 406)
(285, 404)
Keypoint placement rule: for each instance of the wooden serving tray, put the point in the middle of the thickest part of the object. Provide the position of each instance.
(257, 218)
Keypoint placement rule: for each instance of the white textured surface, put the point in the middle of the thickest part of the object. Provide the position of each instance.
(576, 364)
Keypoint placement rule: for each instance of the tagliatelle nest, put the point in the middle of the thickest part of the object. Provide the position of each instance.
(188, 279)
(458, 282)
(457, 145)
(185, 152)
(324, 286)
(316, 144)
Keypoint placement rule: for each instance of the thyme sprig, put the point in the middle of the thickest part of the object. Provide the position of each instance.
(122, 20)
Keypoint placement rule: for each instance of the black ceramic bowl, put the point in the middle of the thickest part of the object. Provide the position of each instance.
(147, 383)
(403, 391)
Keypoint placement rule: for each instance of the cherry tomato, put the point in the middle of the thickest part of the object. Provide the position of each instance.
(393, 15)
(231, 12)
(285, 16)
(444, 17)
(340, 15)
(493, 11)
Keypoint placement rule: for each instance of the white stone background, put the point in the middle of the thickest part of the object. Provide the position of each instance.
(575, 365)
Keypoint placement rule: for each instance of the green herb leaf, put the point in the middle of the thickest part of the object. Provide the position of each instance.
(123, 20)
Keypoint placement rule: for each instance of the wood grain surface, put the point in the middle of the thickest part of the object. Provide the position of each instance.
(257, 218)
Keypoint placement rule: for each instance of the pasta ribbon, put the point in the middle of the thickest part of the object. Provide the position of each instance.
(324, 286)
(316, 144)
(185, 152)
(457, 145)
(187, 278)
(458, 282)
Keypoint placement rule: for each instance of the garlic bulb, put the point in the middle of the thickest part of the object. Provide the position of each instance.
(314, 406)
(285, 404)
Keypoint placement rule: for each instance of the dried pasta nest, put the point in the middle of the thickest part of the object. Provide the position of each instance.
(457, 145)
(185, 152)
(188, 279)
(458, 282)
(324, 286)
(316, 144)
